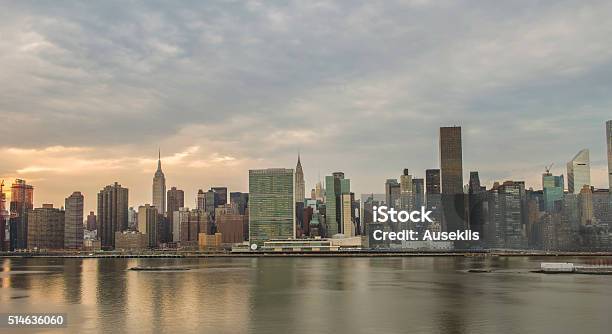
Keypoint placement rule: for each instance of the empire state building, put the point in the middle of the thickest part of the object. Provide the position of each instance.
(159, 188)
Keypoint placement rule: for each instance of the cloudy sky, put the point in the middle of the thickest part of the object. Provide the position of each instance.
(90, 90)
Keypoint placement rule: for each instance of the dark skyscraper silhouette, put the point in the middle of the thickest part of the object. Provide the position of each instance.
(112, 213)
(451, 160)
(451, 178)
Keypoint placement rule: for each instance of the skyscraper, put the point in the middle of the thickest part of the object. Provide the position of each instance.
(609, 140)
(220, 195)
(454, 206)
(300, 191)
(176, 200)
(4, 215)
(201, 200)
(393, 193)
(147, 224)
(22, 199)
(406, 196)
(159, 188)
(271, 205)
(73, 229)
(347, 214)
(112, 213)
(579, 172)
(46, 228)
(335, 186)
(432, 181)
(505, 225)
(418, 193)
(240, 201)
(91, 221)
(553, 190)
(433, 198)
(451, 160)
(585, 205)
(477, 203)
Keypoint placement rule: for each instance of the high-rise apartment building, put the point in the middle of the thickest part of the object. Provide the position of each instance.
(300, 189)
(22, 199)
(112, 213)
(579, 172)
(46, 228)
(159, 188)
(73, 229)
(148, 224)
(271, 204)
(505, 226)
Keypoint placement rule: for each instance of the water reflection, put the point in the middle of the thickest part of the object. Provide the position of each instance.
(308, 295)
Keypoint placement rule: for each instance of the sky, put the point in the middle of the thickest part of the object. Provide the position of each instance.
(91, 90)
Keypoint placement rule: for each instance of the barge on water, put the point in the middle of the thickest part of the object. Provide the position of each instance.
(570, 268)
(159, 269)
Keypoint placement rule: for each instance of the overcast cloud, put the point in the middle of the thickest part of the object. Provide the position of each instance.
(90, 90)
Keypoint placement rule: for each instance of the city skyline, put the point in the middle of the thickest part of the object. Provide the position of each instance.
(220, 100)
(191, 197)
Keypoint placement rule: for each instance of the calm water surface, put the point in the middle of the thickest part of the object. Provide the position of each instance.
(310, 295)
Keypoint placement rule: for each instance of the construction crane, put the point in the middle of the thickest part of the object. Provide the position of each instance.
(547, 168)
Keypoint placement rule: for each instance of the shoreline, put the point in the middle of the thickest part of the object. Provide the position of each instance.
(194, 254)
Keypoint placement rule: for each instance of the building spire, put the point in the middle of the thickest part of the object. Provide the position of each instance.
(159, 159)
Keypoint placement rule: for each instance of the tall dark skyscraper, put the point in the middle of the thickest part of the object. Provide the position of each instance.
(335, 186)
(240, 201)
(112, 213)
(73, 230)
(451, 161)
(418, 193)
(477, 203)
(432, 181)
(220, 195)
(454, 201)
(175, 201)
(22, 199)
(392, 193)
